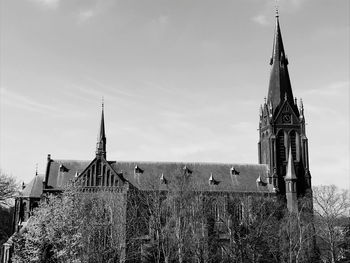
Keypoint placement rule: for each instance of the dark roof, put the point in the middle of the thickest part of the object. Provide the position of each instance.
(147, 175)
(62, 171)
(34, 188)
(242, 180)
(279, 85)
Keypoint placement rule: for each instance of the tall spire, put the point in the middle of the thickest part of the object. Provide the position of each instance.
(101, 141)
(279, 86)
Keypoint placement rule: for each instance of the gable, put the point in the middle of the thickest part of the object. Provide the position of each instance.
(287, 115)
(100, 173)
(34, 188)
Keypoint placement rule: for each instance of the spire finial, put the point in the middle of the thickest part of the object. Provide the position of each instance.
(36, 169)
(276, 7)
(103, 103)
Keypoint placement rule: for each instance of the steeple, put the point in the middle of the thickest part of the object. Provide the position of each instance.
(279, 86)
(282, 128)
(101, 140)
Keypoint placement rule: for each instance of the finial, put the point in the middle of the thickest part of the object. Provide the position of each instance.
(103, 103)
(285, 96)
(265, 100)
(36, 169)
(276, 7)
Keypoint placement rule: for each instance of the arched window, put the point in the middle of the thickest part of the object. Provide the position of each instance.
(280, 147)
(112, 179)
(293, 143)
(108, 178)
(93, 177)
(104, 176)
(88, 181)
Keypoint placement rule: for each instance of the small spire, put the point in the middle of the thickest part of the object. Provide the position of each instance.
(36, 169)
(290, 175)
(101, 139)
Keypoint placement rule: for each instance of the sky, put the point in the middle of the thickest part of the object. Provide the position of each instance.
(182, 80)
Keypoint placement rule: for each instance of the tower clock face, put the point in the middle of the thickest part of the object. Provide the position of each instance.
(286, 118)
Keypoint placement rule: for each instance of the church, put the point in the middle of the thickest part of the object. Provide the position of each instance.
(282, 171)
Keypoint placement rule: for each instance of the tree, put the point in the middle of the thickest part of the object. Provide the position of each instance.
(8, 188)
(331, 206)
(252, 224)
(297, 234)
(74, 227)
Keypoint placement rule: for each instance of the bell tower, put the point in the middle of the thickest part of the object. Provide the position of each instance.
(282, 127)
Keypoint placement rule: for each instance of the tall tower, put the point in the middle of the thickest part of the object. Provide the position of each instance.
(282, 127)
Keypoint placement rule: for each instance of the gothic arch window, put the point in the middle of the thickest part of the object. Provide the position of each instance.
(112, 179)
(104, 175)
(93, 177)
(108, 178)
(88, 181)
(293, 144)
(280, 147)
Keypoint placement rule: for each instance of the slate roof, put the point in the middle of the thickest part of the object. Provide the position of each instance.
(245, 181)
(34, 188)
(59, 177)
(279, 84)
(147, 174)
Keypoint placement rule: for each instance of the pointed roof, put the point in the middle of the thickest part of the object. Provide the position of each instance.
(34, 188)
(279, 85)
(101, 141)
(102, 134)
(290, 175)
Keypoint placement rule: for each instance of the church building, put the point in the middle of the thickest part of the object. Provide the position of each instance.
(282, 170)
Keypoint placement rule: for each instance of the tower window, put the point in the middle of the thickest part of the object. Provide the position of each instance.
(293, 144)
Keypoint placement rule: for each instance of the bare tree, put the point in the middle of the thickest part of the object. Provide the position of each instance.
(331, 206)
(8, 188)
(297, 234)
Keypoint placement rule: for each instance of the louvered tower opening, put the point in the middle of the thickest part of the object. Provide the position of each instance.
(281, 152)
(292, 138)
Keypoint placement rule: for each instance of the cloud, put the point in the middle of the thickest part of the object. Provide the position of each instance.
(261, 20)
(338, 88)
(48, 3)
(19, 101)
(86, 15)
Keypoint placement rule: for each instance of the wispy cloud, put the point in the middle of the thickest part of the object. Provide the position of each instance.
(14, 99)
(47, 3)
(334, 89)
(86, 15)
(261, 20)
(23, 102)
(93, 9)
